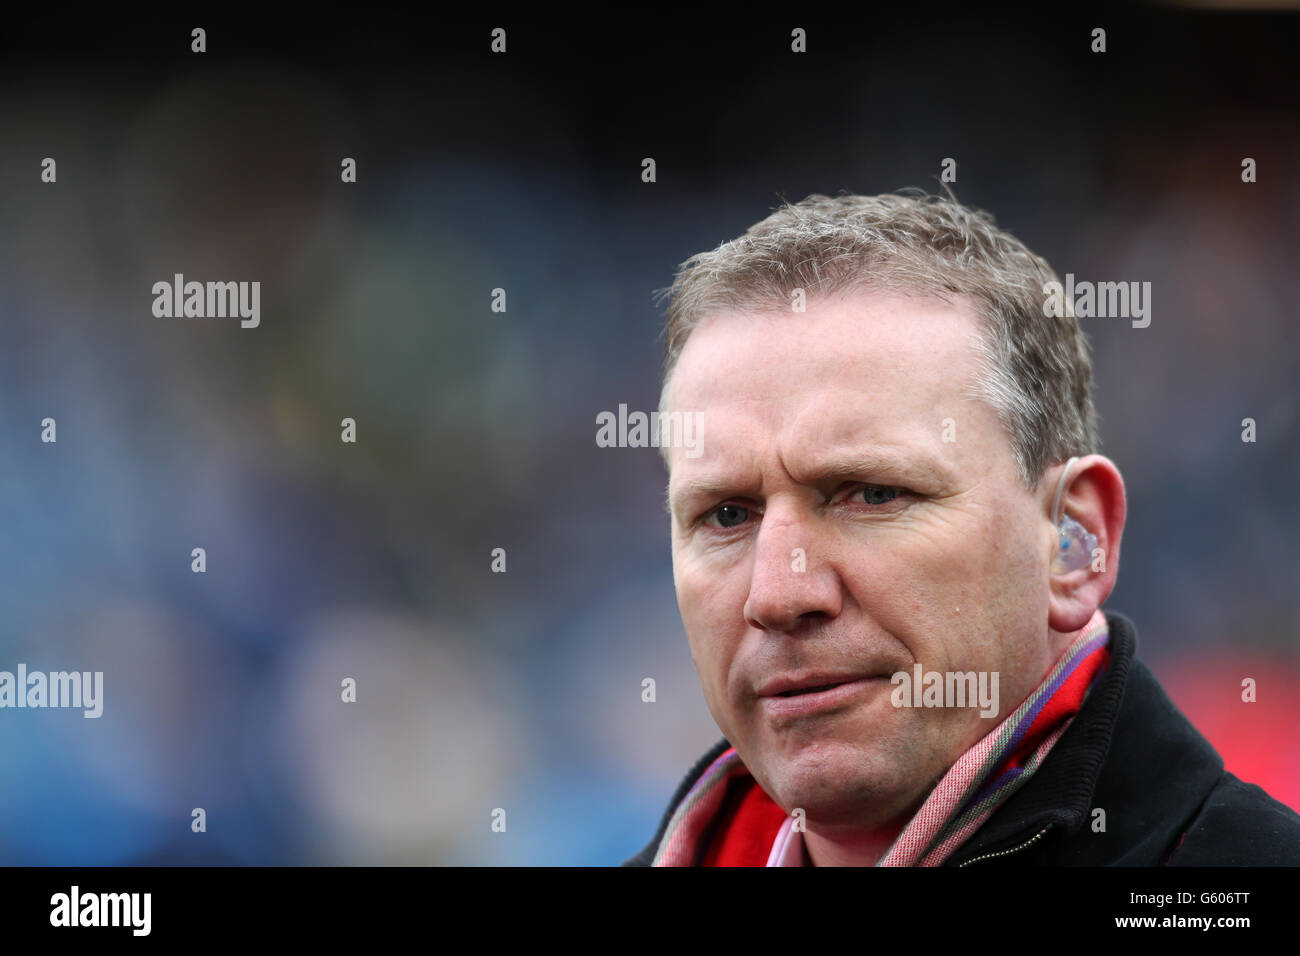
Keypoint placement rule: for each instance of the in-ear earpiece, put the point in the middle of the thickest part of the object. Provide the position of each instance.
(1076, 548)
(1076, 543)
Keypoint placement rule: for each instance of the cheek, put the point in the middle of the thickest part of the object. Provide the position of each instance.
(950, 592)
(1013, 582)
(713, 615)
(914, 577)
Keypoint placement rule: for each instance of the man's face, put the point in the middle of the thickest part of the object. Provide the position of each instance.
(843, 435)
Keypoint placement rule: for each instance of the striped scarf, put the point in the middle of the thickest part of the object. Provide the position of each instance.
(727, 819)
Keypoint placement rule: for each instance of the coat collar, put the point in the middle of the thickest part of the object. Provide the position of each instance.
(1115, 725)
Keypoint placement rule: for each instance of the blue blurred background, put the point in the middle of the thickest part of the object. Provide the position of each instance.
(476, 429)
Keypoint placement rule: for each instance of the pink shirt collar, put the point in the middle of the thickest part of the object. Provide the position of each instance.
(788, 848)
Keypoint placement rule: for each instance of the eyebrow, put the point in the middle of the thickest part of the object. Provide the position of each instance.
(833, 466)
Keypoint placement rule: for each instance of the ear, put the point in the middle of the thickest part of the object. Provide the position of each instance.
(1094, 497)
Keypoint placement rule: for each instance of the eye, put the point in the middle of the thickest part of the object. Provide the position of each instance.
(877, 494)
(729, 516)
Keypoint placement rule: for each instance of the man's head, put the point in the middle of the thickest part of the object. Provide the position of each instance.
(869, 492)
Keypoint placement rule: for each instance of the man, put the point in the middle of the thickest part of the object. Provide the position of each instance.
(891, 548)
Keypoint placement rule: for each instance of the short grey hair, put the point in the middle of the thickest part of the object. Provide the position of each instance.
(1035, 370)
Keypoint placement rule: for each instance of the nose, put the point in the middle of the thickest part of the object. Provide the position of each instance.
(793, 581)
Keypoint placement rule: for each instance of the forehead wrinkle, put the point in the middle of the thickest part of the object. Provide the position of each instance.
(719, 480)
(905, 461)
(794, 422)
(709, 485)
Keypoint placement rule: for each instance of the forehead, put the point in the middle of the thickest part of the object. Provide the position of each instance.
(869, 373)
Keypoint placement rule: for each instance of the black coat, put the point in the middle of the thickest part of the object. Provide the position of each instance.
(1132, 753)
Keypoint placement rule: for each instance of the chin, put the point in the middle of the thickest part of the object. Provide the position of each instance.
(833, 781)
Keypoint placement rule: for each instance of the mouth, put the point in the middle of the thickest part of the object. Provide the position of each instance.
(799, 692)
(798, 685)
(785, 703)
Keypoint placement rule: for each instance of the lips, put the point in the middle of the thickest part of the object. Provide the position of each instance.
(808, 690)
(816, 698)
(808, 684)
